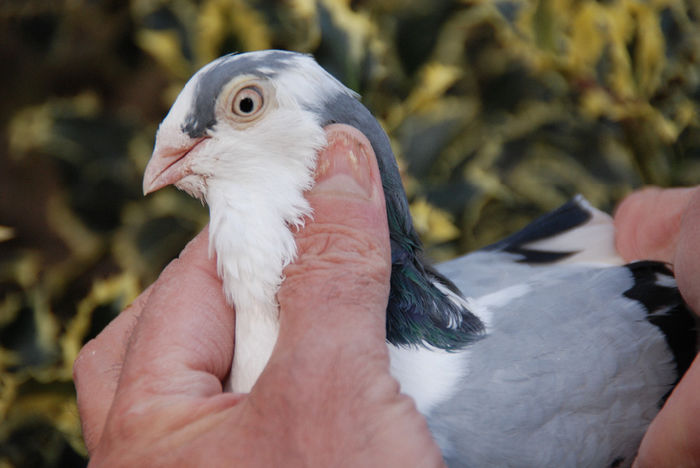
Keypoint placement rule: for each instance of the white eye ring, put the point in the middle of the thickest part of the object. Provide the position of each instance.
(248, 102)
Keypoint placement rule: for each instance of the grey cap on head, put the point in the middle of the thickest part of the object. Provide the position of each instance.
(214, 77)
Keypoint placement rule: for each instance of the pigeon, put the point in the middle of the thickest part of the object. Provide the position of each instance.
(543, 349)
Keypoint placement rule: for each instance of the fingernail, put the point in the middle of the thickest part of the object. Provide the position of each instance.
(343, 166)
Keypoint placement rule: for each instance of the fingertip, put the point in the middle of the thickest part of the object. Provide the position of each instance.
(196, 255)
(625, 218)
(633, 201)
(198, 246)
(347, 165)
(647, 223)
(348, 198)
(347, 178)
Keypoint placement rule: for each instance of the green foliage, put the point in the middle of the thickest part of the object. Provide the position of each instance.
(498, 110)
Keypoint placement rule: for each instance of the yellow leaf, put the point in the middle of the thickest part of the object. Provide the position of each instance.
(122, 288)
(6, 233)
(433, 224)
(649, 56)
(28, 129)
(219, 19)
(164, 46)
(588, 31)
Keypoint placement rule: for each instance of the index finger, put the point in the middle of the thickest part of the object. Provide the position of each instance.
(648, 221)
(183, 341)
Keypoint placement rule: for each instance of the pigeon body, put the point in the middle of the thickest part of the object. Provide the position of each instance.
(542, 349)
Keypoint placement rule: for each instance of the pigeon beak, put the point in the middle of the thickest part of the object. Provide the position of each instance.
(171, 160)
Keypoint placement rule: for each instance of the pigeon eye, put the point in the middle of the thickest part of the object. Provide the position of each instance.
(248, 102)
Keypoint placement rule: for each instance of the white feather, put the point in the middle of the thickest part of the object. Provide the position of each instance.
(594, 240)
(418, 369)
(255, 200)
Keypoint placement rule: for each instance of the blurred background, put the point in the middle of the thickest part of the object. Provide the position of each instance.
(497, 110)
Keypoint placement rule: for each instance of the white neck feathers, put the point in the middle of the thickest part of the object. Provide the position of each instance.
(253, 214)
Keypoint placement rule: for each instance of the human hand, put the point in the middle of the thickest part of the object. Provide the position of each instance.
(665, 225)
(150, 385)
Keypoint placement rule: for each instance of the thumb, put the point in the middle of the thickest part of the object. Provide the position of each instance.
(336, 291)
(331, 361)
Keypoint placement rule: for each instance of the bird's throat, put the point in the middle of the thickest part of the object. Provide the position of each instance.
(256, 335)
(253, 244)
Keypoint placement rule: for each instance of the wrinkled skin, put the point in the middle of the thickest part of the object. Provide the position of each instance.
(665, 225)
(149, 386)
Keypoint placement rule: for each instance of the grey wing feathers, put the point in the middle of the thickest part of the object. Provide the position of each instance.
(570, 362)
(587, 342)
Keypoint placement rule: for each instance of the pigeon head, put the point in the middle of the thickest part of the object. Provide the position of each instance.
(240, 118)
(245, 131)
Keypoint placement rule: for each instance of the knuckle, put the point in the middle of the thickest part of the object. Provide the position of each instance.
(337, 263)
(339, 244)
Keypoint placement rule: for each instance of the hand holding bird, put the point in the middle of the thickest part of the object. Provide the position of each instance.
(149, 386)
